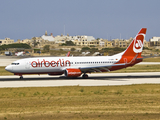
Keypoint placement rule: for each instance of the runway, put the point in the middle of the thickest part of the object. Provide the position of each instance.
(98, 79)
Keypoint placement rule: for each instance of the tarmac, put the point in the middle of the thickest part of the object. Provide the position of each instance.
(98, 79)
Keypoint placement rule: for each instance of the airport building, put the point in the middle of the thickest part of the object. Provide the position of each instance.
(154, 41)
(85, 41)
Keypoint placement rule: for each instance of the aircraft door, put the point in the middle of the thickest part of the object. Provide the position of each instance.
(27, 65)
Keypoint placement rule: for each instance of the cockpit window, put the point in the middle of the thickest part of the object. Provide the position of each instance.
(15, 64)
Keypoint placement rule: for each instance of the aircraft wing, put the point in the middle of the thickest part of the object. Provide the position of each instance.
(99, 68)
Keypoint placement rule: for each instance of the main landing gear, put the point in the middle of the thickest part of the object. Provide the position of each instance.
(85, 76)
(21, 77)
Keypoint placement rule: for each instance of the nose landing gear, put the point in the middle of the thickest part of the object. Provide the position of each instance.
(21, 77)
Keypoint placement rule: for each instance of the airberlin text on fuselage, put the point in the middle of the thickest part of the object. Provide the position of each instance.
(46, 63)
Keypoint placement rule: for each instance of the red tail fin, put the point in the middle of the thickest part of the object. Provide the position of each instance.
(136, 45)
(132, 54)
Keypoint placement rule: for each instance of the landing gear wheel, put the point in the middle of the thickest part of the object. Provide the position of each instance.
(21, 77)
(85, 76)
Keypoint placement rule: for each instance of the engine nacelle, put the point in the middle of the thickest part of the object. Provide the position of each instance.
(72, 72)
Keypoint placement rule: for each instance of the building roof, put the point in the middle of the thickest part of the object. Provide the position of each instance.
(50, 38)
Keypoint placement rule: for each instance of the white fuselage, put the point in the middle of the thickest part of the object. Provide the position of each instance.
(59, 64)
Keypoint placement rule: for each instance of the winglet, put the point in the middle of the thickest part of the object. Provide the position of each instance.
(68, 54)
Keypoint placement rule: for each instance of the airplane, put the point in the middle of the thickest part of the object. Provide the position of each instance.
(76, 66)
(19, 53)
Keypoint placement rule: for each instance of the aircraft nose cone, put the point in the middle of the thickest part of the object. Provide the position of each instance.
(8, 68)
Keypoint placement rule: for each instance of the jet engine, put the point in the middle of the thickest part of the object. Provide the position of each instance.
(72, 72)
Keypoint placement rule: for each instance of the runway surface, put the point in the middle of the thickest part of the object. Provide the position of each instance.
(100, 79)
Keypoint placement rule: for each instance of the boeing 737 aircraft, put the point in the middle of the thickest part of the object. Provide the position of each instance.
(76, 66)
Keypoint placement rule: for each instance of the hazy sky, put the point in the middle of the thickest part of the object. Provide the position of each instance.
(21, 19)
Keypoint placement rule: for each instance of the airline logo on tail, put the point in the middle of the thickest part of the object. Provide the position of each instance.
(138, 43)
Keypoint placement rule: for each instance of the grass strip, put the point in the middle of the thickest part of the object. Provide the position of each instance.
(139, 68)
(4, 72)
(137, 102)
(152, 59)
